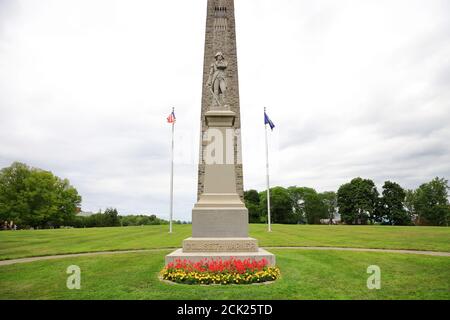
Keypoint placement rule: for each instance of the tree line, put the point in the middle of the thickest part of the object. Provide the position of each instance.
(356, 202)
(111, 218)
(35, 198)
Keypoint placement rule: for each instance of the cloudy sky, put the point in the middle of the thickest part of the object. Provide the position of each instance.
(355, 88)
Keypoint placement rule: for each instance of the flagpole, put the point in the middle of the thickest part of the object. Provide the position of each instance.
(171, 176)
(267, 180)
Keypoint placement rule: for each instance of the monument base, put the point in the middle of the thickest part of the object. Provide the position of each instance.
(198, 256)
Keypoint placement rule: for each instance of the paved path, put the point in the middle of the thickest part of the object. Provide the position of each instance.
(61, 256)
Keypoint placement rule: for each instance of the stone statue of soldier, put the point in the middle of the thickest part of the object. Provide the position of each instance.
(217, 80)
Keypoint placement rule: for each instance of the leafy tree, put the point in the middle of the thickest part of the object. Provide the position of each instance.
(391, 208)
(307, 205)
(329, 200)
(251, 196)
(299, 196)
(410, 196)
(12, 184)
(131, 220)
(96, 221)
(252, 200)
(280, 205)
(315, 208)
(142, 220)
(111, 217)
(255, 214)
(36, 198)
(431, 202)
(357, 201)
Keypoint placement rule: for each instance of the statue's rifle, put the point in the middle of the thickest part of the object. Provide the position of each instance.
(215, 96)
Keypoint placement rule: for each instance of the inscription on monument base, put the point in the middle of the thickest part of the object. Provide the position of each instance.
(220, 245)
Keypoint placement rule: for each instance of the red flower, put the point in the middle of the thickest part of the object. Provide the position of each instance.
(231, 265)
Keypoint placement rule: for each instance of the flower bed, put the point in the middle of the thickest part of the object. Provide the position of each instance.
(232, 271)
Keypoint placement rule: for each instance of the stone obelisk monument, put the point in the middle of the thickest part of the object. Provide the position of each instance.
(220, 218)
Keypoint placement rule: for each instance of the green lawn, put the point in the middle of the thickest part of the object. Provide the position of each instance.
(306, 274)
(47, 242)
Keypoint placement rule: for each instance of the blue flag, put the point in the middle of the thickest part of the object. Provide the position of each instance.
(268, 121)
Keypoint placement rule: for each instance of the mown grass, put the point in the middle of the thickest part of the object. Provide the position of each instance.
(24, 243)
(306, 274)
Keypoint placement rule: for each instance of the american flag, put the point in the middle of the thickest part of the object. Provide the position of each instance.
(172, 118)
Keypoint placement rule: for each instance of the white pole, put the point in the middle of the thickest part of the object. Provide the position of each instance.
(171, 178)
(267, 180)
